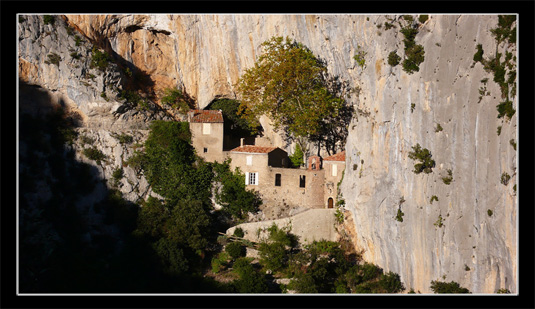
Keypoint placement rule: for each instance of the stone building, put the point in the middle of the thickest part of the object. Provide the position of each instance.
(267, 169)
(206, 128)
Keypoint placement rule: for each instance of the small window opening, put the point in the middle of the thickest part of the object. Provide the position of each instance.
(277, 180)
(302, 181)
(205, 150)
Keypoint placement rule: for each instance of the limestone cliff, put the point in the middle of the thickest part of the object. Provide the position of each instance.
(205, 55)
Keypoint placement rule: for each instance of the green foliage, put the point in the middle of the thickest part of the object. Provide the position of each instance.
(391, 283)
(77, 40)
(287, 84)
(297, 157)
(171, 256)
(274, 250)
(478, 56)
(49, 19)
(134, 98)
(393, 58)
(489, 212)
(505, 109)
(439, 222)
(234, 122)
(99, 60)
(235, 250)
(117, 175)
(438, 128)
(424, 156)
(359, 57)
(414, 54)
(233, 195)
(423, 18)
(75, 55)
(175, 98)
(238, 232)
(440, 287)
(505, 178)
(503, 291)
(499, 130)
(93, 153)
(250, 280)
(433, 198)
(413, 105)
(408, 18)
(53, 58)
(447, 179)
(504, 31)
(513, 143)
(123, 138)
(399, 216)
(220, 262)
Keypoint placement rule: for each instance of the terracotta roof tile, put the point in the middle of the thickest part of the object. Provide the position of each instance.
(205, 116)
(253, 149)
(341, 156)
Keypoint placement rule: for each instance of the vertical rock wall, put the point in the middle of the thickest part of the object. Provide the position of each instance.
(205, 54)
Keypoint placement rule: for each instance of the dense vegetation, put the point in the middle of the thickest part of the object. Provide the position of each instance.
(424, 156)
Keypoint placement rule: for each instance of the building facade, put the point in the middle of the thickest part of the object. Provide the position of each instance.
(267, 169)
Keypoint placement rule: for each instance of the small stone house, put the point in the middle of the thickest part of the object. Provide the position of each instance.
(334, 167)
(206, 128)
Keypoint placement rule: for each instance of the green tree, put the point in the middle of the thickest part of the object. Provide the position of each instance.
(236, 200)
(175, 98)
(287, 83)
(234, 123)
(424, 156)
(297, 157)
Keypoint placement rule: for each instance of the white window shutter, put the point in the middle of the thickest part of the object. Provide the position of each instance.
(256, 178)
(246, 178)
(335, 170)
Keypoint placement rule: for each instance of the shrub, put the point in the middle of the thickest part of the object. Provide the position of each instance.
(439, 222)
(53, 58)
(505, 178)
(478, 56)
(399, 216)
(439, 287)
(505, 109)
(423, 18)
(238, 232)
(499, 130)
(414, 57)
(513, 143)
(433, 198)
(99, 60)
(424, 156)
(123, 138)
(94, 154)
(77, 40)
(489, 212)
(359, 57)
(438, 128)
(220, 262)
(235, 250)
(49, 19)
(393, 58)
(117, 175)
(174, 98)
(447, 179)
(391, 283)
(75, 55)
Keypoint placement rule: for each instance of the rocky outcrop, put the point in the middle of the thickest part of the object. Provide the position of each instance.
(455, 238)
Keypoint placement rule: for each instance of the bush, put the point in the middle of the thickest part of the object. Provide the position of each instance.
(513, 143)
(250, 280)
(49, 19)
(489, 212)
(505, 109)
(391, 283)
(424, 156)
(235, 250)
(238, 232)
(99, 60)
(95, 154)
(393, 59)
(439, 287)
(53, 58)
(414, 57)
(174, 98)
(423, 18)
(478, 56)
(433, 198)
(220, 262)
(505, 178)
(447, 179)
(438, 128)
(399, 216)
(359, 57)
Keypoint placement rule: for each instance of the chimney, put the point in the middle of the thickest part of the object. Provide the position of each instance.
(241, 141)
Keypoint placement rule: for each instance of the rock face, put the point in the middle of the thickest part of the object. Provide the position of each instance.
(206, 54)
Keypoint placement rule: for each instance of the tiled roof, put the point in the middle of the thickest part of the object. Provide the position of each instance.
(341, 156)
(199, 115)
(253, 149)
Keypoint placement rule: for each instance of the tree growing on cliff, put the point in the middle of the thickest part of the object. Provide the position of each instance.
(288, 84)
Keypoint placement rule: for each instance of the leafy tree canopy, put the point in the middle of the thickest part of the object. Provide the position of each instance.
(287, 83)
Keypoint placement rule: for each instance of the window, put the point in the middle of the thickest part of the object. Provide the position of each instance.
(206, 128)
(251, 178)
(205, 150)
(249, 160)
(302, 181)
(335, 170)
(277, 180)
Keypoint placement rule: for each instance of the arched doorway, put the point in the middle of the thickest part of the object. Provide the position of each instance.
(330, 202)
